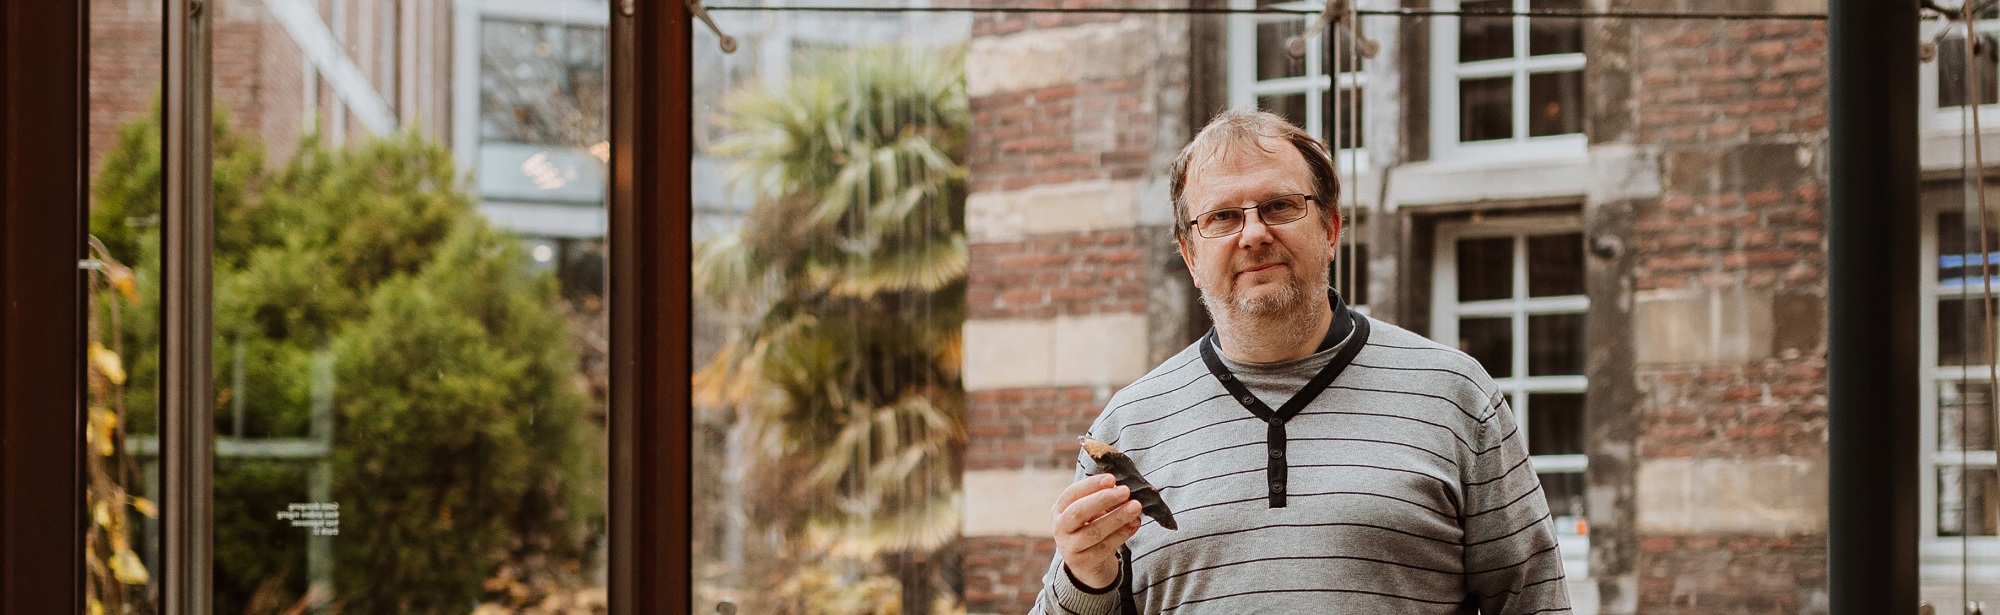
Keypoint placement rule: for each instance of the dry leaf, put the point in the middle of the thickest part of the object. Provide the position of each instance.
(122, 279)
(145, 507)
(107, 363)
(127, 567)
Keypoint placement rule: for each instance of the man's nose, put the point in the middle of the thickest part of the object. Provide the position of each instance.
(1255, 232)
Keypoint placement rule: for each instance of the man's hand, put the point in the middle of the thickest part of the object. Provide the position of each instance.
(1094, 516)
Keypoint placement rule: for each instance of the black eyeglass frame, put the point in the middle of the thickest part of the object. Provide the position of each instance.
(1195, 222)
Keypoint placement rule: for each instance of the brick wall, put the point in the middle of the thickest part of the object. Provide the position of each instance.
(1729, 268)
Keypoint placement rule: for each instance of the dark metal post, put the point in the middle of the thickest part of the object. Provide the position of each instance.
(1872, 296)
(187, 426)
(43, 96)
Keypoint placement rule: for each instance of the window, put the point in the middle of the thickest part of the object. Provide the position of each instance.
(1511, 294)
(1960, 480)
(1503, 85)
(1305, 90)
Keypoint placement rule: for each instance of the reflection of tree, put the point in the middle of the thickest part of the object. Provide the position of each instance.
(364, 279)
(852, 268)
(542, 83)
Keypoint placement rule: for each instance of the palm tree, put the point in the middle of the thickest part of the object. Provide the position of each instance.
(851, 269)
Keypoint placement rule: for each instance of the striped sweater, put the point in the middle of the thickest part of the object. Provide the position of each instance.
(1403, 487)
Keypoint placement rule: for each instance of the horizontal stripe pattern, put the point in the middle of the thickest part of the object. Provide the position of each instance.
(1409, 482)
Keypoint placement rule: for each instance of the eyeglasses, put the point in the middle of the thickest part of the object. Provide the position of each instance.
(1229, 220)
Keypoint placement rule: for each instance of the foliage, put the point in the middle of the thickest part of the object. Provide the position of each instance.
(852, 268)
(455, 440)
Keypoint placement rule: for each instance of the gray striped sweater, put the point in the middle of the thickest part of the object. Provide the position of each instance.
(1406, 485)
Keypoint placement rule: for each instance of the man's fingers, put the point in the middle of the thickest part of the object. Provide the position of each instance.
(1089, 484)
(1115, 534)
(1100, 527)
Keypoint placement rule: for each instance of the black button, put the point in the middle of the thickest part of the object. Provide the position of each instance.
(1277, 453)
(1247, 400)
(1277, 486)
(1226, 377)
(1275, 421)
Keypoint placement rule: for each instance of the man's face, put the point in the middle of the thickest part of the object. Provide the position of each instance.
(1262, 270)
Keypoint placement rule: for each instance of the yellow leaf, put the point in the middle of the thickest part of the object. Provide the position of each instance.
(103, 431)
(96, 608)
(127, 567)
(101, 513)
(107, 363)
(122, 279)
(145, 507)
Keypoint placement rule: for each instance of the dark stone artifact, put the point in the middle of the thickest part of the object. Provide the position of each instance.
(1109, 460)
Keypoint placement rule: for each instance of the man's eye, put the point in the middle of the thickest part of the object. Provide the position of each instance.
(1280, 206)
(1225, 215)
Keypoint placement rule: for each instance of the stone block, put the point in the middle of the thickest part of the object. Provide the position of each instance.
(1060, 56)
(1726, 326)
(1779, 496)
(1009, 215)
(1013, 502)
(1091, 350)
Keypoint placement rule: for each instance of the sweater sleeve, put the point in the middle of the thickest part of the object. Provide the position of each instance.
(1512, 566)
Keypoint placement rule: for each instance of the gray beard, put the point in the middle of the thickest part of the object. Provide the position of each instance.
(1285, 303)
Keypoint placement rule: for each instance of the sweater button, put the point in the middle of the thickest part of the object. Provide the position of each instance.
(1246, 400)
(1277, 453)
(1277, 486)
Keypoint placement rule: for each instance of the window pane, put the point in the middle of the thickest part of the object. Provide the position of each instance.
(1961, 334)
(1953, 89)
(1350, 271)
(1548, 35)
(1350, 116)
(1555, 423)
(410, 365)
(1289, 106)
(1965, 416)
(1555, 103)
(1273, 61)
(1555, 345)
(1485, 268)
(1566, 492)
(1555, 265)
(1967, 504)
(120, 465)
(1486, 109)
(1958, 251)
(1491, 341)
(1485, 38)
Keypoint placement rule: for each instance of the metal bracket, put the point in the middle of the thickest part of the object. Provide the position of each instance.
(1343, 11)
(728, 42)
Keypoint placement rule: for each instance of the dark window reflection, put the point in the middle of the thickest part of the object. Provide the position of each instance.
(1555, 104)
(542, 83)
(1961, 335)
(1555, 423)
(1349, 274)
(1966, 505)
(1485, 268)
(1555, 265)
(1565, 492)
(1289, 106)
(1485, 38)
(1486, 109)
(1555, 345)
(1490, 341)
(1548, 35)
(1965, 416)
(1953, 90)
(1958, 253)
(1273, 61)
(1349, 116)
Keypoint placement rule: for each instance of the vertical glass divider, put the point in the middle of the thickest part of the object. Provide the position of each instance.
(187, 406)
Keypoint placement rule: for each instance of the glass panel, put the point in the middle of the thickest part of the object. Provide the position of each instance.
(1491, 341)
(1350, 114)
(1289, 106)
(1486, 109)
(1953, 88)
(120, 463)
(1967, 505)
(1555, 265)
(1273, 61)
(1965, 416)
(410, 365)
(1351, 271)
(1548, 35)
(830, 417)
(1961, 334)
(1555, 103)
(1566, 492)
(1485, 38)
(1555, 345)
(1555, 423)
(1958, 252)
(1485, 268)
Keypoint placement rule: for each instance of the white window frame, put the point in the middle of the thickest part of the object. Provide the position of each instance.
(1951, 120)
(1446, 310)
(1945, 558)
(1245, 88)
(1447, 71)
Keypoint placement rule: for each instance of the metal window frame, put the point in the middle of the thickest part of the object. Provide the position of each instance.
(1447, 72)
(44, 130)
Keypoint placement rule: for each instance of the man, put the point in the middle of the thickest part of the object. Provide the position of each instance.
(1316, 460)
